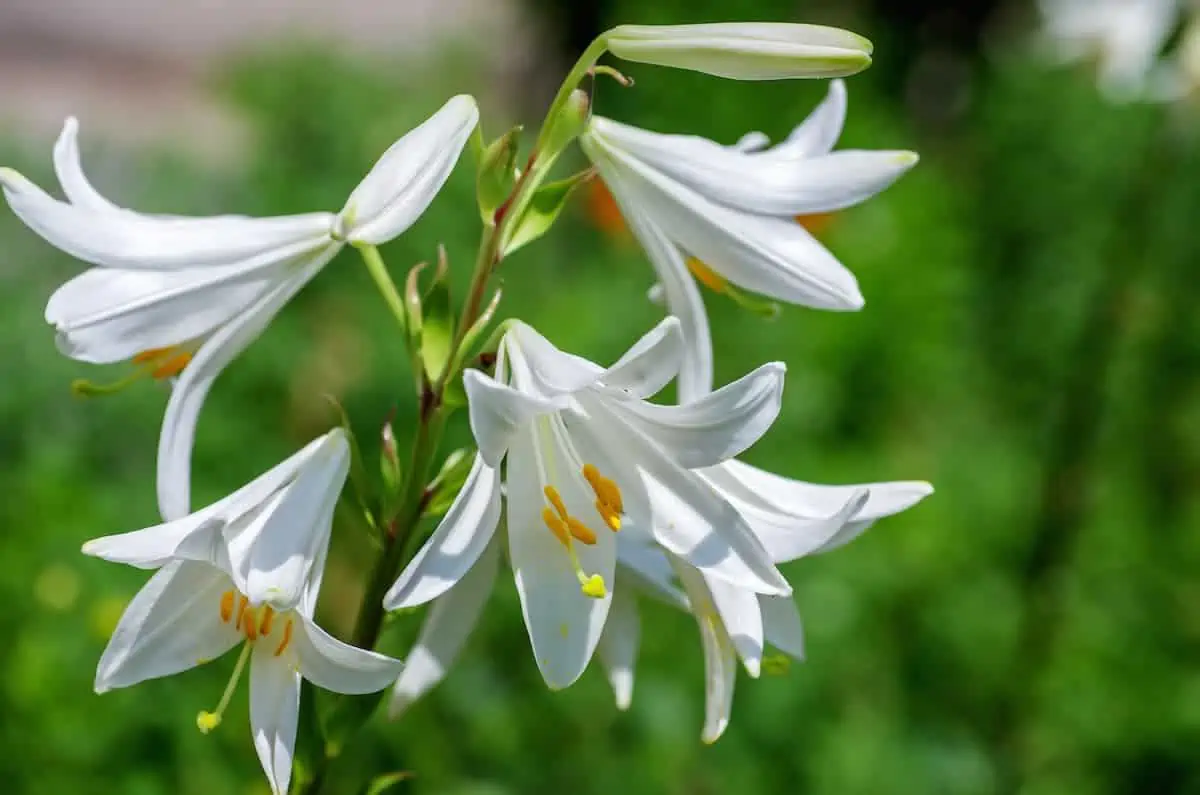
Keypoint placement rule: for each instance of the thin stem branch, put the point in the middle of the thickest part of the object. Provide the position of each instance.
(383, 281)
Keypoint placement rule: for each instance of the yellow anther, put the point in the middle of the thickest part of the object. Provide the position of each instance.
(243, 603)
(250, 625)
(172, 366)
(557, 526)
(706, 275)
(594, 587)
(226, 608)
(610, 517)
(287, 638)
(609, 503)
(555, 500)
(152, 355)
(207, 721)
(264, 626)
(580, 531)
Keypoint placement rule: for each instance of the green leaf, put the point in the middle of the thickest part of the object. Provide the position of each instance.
(437, 332)
(412, 306)
(567, 125)
(449, 481)
(381, 784)
(466, 350)
(497, 173)
(389, 468)
(543, 210)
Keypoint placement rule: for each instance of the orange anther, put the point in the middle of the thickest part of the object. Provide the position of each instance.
(287, 638)
(226, 608)
(706, 275)
(581, 531)
(250, 625)
(172, 366)
(555, 500)
(243, 603)
(264, 626)
(557, 526)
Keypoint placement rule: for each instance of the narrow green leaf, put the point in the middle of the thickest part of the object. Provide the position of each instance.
(389, 468)
(382, 784)
(543, 210)
(360, 483)
(467, 349)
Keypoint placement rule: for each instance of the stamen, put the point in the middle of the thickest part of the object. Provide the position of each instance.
(264, 627)
(226, 608)
(243, 603)
(287, 638)
(557, 526)
(612, 519)
(250, 625)
(609, 503)
(706, 275)
(172, 366)
(555, 500)
(581, 531)
(207, 721)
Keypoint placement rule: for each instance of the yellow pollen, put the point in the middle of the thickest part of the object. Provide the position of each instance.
(609, 503)
(250, 625)
(172, 366)
(555, 500)
(557, 526)
(706, 275)
(583, 533)
(264, 627)
(226, 609)
(243, 603)
(286, 640)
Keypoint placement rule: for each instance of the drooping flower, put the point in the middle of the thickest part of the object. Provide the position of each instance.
(744, 50)
(725, 216)
(244, 571)
(583, 452)
(183, 296)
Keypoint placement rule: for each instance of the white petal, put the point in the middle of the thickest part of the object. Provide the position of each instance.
(69, 169)
(108, 315)
(682, 298)
(645, 565)
(564, 625)
(818, 134)
(453, 549)
(282, 548)
(339, 667)
(744, 50)
(776, 182)
(449, 622)
(152, 547)
(540, 368)
(409, 174)
(651, 363)
(772, 256)
(717, 426)
(752, 142)
(688, 517)
(274, 715)
(781, 624)
(171, 625)
(743, 620)
(187, 396)
(497, 412)
(619, 645)
(131, 240)
(720, 659)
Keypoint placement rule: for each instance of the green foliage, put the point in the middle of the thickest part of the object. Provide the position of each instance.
(982, 271)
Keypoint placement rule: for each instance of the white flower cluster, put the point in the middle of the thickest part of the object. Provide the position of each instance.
(595, 495)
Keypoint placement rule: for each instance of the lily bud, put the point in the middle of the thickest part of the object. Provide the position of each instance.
(745, 50)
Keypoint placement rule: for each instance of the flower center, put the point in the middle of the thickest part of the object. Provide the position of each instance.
(256, 624)
(156, 363)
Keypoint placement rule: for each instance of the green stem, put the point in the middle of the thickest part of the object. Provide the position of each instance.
(383, 281)
(579, 71)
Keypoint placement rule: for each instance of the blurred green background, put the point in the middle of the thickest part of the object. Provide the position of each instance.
(1031, 345)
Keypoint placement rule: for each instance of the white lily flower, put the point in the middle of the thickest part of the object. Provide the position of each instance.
(726, 215)
(744, 50)
(583, 449)
(453, 616)
(1125, 37)
(184, 296)
(246, 570)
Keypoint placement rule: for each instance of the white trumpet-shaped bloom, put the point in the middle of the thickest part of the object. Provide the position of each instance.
(244, 571)
(1125, 38)
(726, 215)
(583, 451)
(183, 296)
(744, 50)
